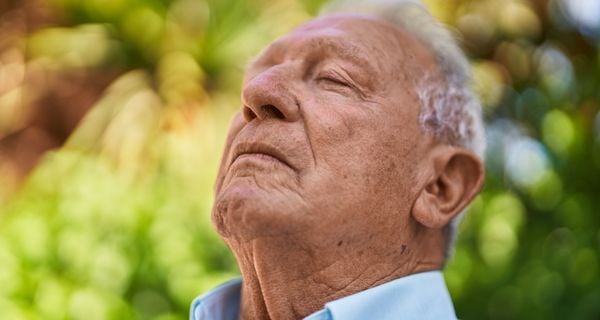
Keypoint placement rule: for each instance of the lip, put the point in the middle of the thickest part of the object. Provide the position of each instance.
(261, 149)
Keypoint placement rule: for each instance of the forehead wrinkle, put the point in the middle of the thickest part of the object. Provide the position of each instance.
(387, 58)
(390, 57)
(331, 41)
(336, 45)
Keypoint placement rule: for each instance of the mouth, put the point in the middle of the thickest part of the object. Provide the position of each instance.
(259, 151)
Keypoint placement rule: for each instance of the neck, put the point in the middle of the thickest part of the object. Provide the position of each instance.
(288, 279)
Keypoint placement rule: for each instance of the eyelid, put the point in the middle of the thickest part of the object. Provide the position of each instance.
(335, 76)
(343, 79)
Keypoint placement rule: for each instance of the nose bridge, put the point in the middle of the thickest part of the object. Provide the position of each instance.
(271, 94)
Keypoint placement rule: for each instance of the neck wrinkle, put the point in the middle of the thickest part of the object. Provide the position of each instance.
(262, 295)
(252, 305)
(282, 280)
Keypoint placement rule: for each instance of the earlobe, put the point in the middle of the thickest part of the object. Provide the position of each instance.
(423, 211)
(455, 177)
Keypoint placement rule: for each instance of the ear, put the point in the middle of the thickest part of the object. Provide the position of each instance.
(455, 176)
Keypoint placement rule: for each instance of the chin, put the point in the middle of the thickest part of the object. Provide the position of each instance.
(243, 211)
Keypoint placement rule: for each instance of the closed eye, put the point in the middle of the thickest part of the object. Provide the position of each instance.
(331, 76)
(335, 81)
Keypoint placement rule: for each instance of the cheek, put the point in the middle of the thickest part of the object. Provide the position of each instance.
(359, 142)
(235, 126)
(364, 159)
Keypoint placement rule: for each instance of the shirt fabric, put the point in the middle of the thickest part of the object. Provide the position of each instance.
(418, 296)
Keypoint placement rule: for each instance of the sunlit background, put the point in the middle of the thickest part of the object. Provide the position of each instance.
(112, 120)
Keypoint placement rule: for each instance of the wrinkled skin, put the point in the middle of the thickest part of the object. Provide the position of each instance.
(324, 164)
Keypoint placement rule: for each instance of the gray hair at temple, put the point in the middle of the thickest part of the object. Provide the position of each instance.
(449, 111)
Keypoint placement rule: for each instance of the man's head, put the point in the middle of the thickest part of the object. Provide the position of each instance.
(331, 152)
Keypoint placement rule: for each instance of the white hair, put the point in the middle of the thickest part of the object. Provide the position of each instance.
(449, 111)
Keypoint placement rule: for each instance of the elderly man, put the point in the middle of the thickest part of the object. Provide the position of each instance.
(356, 147)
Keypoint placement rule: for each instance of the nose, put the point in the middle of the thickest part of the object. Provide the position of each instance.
(270, 95)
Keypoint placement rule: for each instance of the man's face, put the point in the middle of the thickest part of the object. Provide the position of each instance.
(327, 145)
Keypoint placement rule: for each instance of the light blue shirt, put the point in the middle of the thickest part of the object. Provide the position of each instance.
(418, 296)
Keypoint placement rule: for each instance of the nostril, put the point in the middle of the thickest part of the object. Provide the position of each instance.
(249, 115)
(272, 112)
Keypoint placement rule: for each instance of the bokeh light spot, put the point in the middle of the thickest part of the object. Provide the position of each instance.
(526, 162)
(555, 70)
(497, 242)
(547, 192)
(519, 20)
(584, 14)
(488, 83)
(558, 132)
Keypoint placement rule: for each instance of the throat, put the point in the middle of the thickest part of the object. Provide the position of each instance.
(285, 278)
(268, 293)
(274, 289)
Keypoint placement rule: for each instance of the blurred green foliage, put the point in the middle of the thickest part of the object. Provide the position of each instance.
(115, 224)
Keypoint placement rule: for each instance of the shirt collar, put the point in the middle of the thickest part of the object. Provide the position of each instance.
(417, 296)
(221, 303)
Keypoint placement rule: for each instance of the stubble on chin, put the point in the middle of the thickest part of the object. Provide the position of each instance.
(250, 207)
(233, 208)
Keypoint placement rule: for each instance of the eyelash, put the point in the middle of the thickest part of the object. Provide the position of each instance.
(338, 83)
(333, 79)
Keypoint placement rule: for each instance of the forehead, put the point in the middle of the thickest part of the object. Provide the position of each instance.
(367, 29)
(362, 39)
(379, 50)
